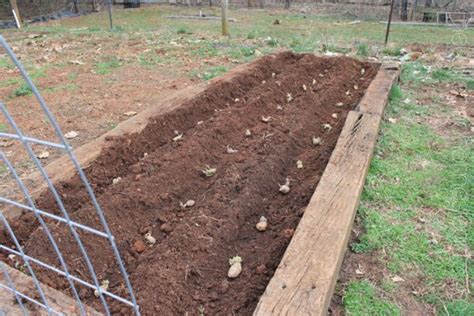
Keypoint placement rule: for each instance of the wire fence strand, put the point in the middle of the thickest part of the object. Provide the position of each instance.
(63, 218)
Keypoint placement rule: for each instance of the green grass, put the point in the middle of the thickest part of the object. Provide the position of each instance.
(183, 30)
(9, 82)
(211, 72)
(23, 90)
(392, 51)
(470, 84)
(5, 63)
(3, 170)
(363, 50)
(361, 299)
(107, 66)
(417, 204)
(272, 42)
(3, 127)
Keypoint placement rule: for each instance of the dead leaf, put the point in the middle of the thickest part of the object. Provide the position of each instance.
(397, 279)
(130, 113)
(71, 134)
(76, 62)
(458, 94)
(6, 143)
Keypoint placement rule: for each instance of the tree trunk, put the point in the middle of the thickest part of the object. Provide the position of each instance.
(404, 12)
(287, 4)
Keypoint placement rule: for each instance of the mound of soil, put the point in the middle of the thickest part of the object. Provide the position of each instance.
(186, 270)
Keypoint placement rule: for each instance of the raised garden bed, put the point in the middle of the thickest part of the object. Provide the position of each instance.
(294, 108)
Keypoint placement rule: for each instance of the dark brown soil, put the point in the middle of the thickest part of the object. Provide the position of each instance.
(186, 270)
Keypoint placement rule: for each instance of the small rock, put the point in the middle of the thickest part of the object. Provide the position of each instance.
(165, 227)
(261, 269)
(116, 180)
(139, 246)
(288, 233)
(339, 104)
(214, 296)
(397, 279)
(334, 115)
(224, 286)
(392, 120)
(248, 133)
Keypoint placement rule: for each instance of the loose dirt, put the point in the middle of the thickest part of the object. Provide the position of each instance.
(185, 271)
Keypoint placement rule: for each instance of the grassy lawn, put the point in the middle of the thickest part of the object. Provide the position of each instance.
(417, 209)
(415, 232)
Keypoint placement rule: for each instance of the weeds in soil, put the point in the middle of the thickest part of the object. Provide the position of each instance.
(5, 63)
(8, 82)
(21, 91)
(363, 50)
(418, 74)
(3, 127)
(211, 72)
(392, 51)
(106, 67)
(183, 30)
(417, 206)
(272, 42)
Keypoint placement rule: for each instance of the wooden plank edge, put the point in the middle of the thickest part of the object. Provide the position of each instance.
(379, 89)
(304, 281)
(58, 301)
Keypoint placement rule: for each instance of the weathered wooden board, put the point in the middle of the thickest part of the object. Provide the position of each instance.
(60, 302)
(304, 282)
(376, 96)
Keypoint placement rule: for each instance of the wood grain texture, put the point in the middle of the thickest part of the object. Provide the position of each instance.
(376, 96)
(60, 302)
(304, 282)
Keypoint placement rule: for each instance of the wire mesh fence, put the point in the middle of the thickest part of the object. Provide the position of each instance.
(14, 249)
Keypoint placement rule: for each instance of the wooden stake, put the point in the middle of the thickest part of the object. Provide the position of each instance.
(389, 21)
(16, 13)
(225, 23)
